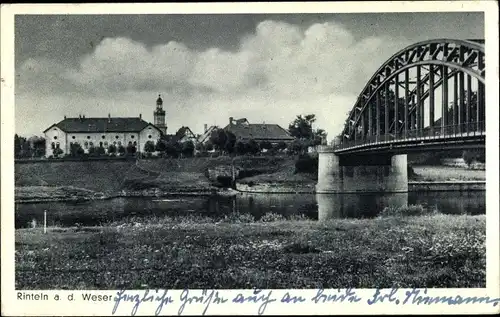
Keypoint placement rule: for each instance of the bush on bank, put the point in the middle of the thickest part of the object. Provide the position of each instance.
(306, 164)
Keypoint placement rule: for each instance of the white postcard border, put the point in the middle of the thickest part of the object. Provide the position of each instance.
(12, 306)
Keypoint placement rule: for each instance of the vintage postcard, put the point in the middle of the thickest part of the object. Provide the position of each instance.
(250, 158)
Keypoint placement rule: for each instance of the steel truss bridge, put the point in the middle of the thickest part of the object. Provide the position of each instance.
(427, 96)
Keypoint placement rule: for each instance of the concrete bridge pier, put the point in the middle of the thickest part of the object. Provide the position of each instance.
(361, 173)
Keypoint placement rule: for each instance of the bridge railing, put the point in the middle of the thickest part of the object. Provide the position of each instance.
(428, 133)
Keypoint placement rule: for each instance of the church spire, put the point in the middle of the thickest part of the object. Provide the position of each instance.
(159, 116)
(159, 102)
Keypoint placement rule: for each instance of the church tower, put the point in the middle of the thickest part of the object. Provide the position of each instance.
(159, 116)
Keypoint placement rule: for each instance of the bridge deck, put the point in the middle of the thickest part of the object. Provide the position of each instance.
(368, 145)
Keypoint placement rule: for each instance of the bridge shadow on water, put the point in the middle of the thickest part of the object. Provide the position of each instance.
(315, 207)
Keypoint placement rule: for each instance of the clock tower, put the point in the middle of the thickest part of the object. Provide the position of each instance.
(159, 116)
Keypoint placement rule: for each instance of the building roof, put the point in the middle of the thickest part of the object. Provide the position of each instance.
(206, 135)
(183, 132)
(271, 132)
(113, 124)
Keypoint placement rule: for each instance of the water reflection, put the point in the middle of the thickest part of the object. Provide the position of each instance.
(319, 206)
(472, 203)
(356, 205)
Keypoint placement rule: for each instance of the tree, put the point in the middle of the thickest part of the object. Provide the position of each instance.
(100, 151)
(209, 146)
(188, 148)
(230, 142)
(39, 146)
(92, 151)
(160, 146)
(281, 145)
(319, 137)
(200, 147)
(57, 151)
(149, 147)
(173, 149)
(17, 146)
(112, 149)
(301, 127)
(131, 149)
(253, 147)
(471, 156)
(298, 146)
(223, 140)
(241, 148)
(218, 138)
(23, 148)
(121, 150)
(266, 145)
(76, 150)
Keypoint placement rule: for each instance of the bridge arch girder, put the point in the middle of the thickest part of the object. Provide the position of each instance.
(457, 55)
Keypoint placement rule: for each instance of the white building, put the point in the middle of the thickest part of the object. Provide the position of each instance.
(102, 132)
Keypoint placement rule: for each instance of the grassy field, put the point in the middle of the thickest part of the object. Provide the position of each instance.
(446, 173)
(43, 179)
(421, 251)
(285, 174)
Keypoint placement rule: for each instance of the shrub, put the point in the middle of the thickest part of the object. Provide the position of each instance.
(281, 145)
(300, 248)
(470, 156)
(209, 146)
(173, 149)
(411, 210)
(131, 149)
(188, 148)
(241, 148)
(411, 172)
(149, 147)
(298, 217)
(76, 150)
(251, 172)
(160, 146)
(266, 145)
(272, 217)
(238, 218)
(121, 150)
(56, 152)
(112, 149)
(306, 164)
(100, 151)
(253, 146)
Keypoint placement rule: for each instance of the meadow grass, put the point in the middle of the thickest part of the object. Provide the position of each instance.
(431, 250)
(447, 173)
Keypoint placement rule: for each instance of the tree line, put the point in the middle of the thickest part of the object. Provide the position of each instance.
(220, 140)
(29, 148)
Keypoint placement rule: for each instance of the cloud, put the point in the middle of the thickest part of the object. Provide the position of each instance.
(278, 72)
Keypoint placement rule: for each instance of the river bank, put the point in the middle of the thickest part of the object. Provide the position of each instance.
(422, 178)
(421, 251)
(41, 194)
(43, 182)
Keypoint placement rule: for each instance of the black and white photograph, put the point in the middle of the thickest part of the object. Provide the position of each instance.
(250, 150)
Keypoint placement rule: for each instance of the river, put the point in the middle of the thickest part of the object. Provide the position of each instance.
(320, 206)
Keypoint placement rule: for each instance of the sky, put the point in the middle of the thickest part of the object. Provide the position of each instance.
(207, 68)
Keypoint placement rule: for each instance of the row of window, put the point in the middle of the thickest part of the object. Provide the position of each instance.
(101, 144)
(117, 137)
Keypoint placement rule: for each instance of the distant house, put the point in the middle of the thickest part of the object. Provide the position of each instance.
(207, 132)
(103, 132)
(184, 134)
(245, 131)
(100, 132)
